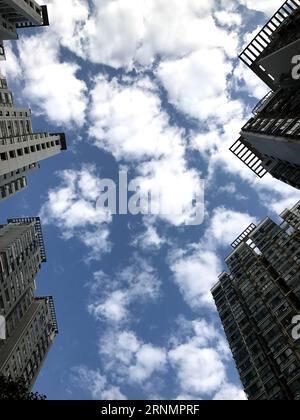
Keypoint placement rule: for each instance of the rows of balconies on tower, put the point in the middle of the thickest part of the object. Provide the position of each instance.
(270, 141)
(28, 323)
(20, 148)
(31, 324)
(19, 14)
(257, 301)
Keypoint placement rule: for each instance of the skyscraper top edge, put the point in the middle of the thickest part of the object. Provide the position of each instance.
(38, 227)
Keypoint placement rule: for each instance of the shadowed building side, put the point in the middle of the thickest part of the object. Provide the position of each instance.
(257, 301)
(20, 148)
(19, 14)
(30, 321)
(270, 141)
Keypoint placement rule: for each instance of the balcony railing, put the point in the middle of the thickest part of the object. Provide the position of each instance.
(243, 236)
(53, 314)
(263, 39)
(248, 157)
(38, 230)
(262, 103)
(28, 24)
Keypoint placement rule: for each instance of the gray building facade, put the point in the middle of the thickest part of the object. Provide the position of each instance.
(20, 148)
(257, 301)
(270, 141)
(19, 14)
(30, 321)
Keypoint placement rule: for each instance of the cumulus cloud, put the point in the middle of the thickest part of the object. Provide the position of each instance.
(150, 239)
(11, 67)
(225, 226)
(197, 267)
(52, 86)
(96, 384)
(201, 372)
(112, 297)
(92, 31)
(197, 85)
(204, 371)
(269, 7)
(130, 358)
(128, 120)
(246, 81)
(195, 274)
(196, 357)
(125, 33)
(230, 392)
(228, 19)
(72, 207)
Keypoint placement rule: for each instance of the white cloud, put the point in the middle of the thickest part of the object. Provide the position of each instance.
(150, 238)
(200, 363)
(11, 67)
(128, 120)
(201, 372)
(112, 297)
(269, 7)
(195, 357)
(276, 194)
(228, 18)
(148, 360)
(195, 275)
(72, 207)
(132, 360)
(197, 85)
(233, 190)
(94, 33)
(225, 226)
(51, 85)
(197, 267)
(96, 383)
(67, 19)
(114, 308)
(230, 392)
(248, 82)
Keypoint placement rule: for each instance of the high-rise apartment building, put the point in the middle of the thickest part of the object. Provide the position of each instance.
(257, 301)
(270, 141)
(20, 148)
(271, 52)
(30, 322)
(18, 14)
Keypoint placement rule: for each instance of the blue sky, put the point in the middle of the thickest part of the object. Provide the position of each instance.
(156, 90)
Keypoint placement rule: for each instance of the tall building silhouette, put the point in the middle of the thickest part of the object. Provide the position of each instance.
(270, 141)
(30, 321)
(257, 301)
(20, 148)
(18, 14)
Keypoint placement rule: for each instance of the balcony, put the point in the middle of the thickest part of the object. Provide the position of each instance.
(258, 46)
(248, 157)
(263, 103)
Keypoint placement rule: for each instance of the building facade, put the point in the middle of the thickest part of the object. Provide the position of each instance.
(269, 55)
(20, 148)
(30, 321)
(270, 141)
(18, 14)
(257, 301)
